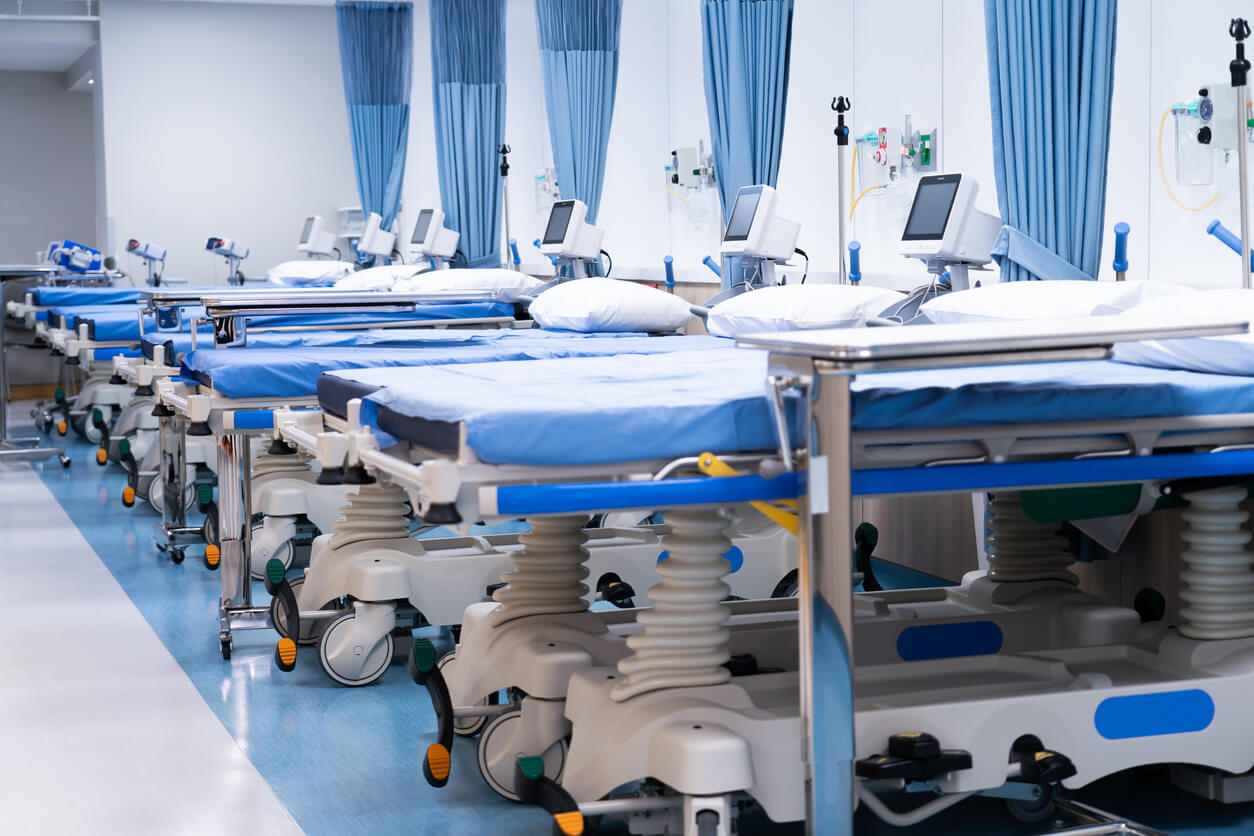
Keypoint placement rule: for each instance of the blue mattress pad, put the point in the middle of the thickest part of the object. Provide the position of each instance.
(50, 297)
(614, 409)
(287, 373)
(177, 345)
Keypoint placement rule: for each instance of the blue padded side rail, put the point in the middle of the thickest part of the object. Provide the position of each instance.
(524, 500)
(253, 419)
(713, 265)
(980, 477)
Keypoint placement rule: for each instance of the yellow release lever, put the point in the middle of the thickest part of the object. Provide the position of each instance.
(712, 465)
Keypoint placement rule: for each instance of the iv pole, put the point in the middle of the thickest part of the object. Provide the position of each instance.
(1239, 68)
(504, 152)
(841, 105)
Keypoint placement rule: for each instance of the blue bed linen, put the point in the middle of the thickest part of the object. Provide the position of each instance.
(378, 337)
(611, 409)
(1100, 390)
(117, 325)
(587, 410)
(49, 297)
(284, 373)
(448, 310)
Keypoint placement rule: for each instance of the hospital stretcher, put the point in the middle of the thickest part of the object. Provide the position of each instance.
(89, 335)
(1105, 694)
(230, 386)
(283, 311)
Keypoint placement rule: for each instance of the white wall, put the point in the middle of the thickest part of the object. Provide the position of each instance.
(222, 119)
(47, 164)
(277, 148)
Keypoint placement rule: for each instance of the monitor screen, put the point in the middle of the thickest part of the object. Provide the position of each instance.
(743, 210)
(421, 227)
(932, 204)
(559, 219)
(304, 235)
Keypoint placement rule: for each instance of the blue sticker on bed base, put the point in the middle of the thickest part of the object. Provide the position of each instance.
(949, 641)
(1149, 715)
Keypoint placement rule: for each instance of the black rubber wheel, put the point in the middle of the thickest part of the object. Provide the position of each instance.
(1032, 811)
(78, 423)
(226, 649)
(787, 586)
(65, 461)
(210, 528)
(470, 726)
(177, 556)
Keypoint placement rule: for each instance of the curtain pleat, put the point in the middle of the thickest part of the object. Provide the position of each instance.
(579, 42)
(745, 47)
(1051, 78)
(468, 71)
(376, 60)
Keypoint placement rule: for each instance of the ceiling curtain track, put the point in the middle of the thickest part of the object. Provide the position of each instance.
(746, 51)
(1051, 74)
(376, 58)
(468, 78)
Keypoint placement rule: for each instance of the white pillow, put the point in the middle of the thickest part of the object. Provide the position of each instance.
(383, 277)
(601, 305)
(798, 307)
(509, 285)
(308, 271)
(1232, 354)
(1042, 300)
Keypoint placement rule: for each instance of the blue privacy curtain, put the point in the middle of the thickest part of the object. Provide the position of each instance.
(745, 47)
(468, 70)
(1051, 72)
(376, 56)
(579, 54)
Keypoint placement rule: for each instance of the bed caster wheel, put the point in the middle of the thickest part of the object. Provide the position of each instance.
(210, 528)
(498, 760)
(310, 629)
(469, 726)
(1032, 810)
(377, 658)
(177, 556)
(64, 460)
(226, 648)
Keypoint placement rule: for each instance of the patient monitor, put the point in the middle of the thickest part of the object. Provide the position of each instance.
(568, 237)
(431, 239)
(233, 252)
(757, 234)
(946, 230)
(315, 238)
(376, 240)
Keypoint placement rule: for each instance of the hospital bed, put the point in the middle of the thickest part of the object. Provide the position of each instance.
(237, 386)
(1133, 687)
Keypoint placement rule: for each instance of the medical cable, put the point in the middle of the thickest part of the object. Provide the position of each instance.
(610, 259)
(804, 255)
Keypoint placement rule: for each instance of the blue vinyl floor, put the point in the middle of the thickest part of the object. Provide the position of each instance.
(350, 760)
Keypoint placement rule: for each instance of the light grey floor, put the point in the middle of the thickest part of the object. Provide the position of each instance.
(102, 731)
